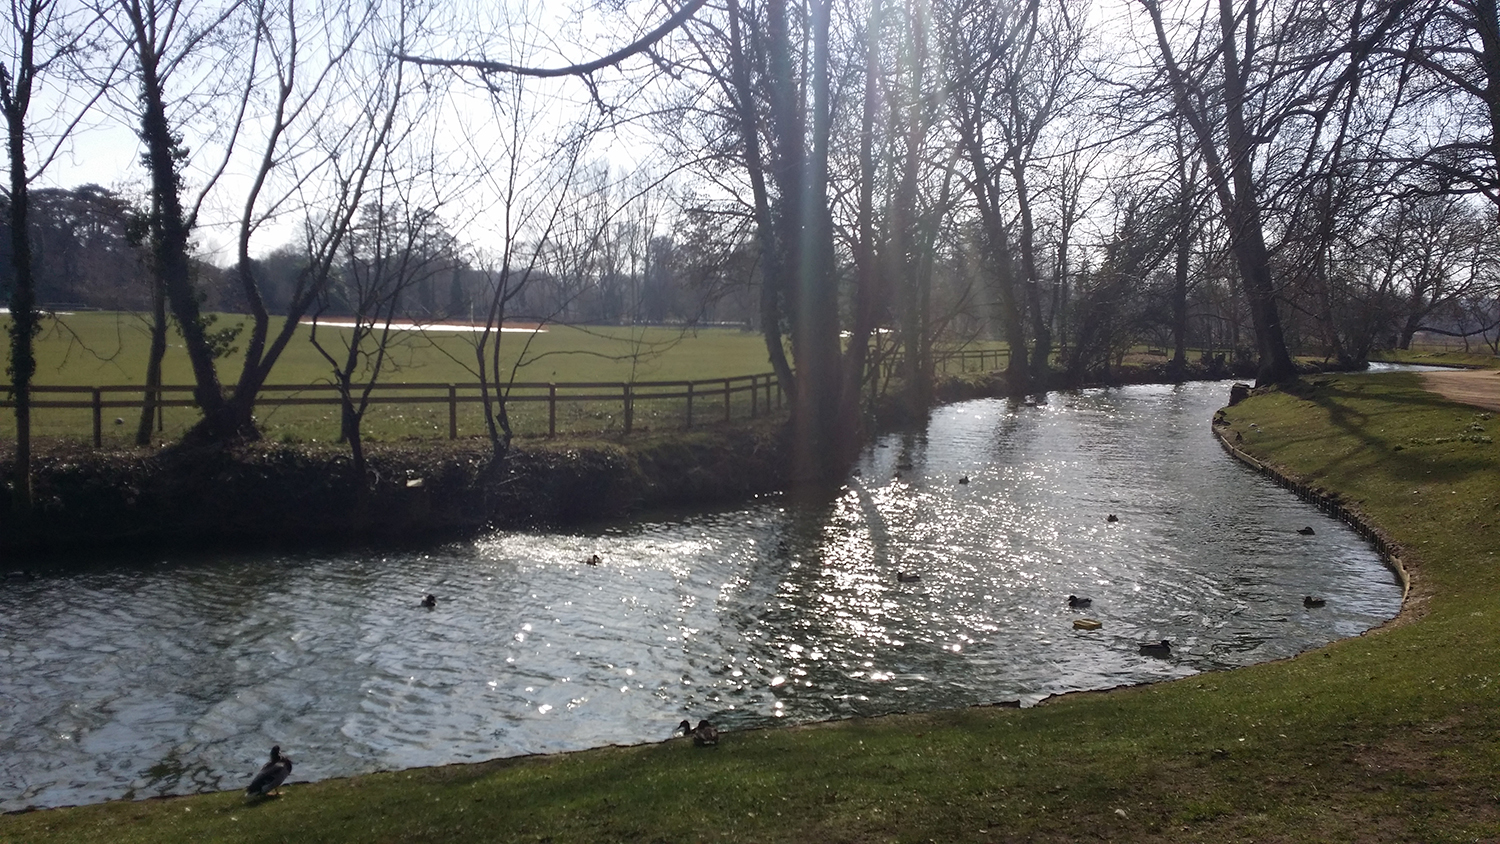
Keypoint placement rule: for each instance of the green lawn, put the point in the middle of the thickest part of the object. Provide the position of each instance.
(106, 349)
(1393, 736)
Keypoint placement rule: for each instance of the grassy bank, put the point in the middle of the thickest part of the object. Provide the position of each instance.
(1393, 736)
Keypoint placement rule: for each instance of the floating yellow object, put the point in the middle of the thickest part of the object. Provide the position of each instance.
(1086, 624)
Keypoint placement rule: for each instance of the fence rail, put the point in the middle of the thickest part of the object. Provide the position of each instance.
(700, 400)
(682, 403)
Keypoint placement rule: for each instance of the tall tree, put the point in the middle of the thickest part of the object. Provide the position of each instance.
(40, 34)
(1257, 83)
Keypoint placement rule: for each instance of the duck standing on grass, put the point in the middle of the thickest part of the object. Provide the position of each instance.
(271, 776)
(704, 735)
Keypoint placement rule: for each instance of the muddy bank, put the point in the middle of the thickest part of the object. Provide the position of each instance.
(269, 495)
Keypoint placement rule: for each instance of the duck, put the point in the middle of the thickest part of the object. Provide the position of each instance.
(594, 560)
(964, 479)
(271, 776)
(704, 735)
(1077, 603)
(1306, 531)
(1312, 602)
(1112, 518)
(907, 577)
(1160, 649)
(430, 602)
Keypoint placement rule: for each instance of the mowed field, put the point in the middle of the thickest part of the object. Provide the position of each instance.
(100, 349)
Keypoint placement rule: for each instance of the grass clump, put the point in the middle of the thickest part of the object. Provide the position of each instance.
(1388, 737)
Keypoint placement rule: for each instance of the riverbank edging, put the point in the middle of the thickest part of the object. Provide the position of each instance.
(1390, 552)
(270, 495)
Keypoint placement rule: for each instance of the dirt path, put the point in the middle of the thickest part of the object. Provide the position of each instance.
(1479, 387)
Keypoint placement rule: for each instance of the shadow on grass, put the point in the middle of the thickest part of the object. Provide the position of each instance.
(1399, 395)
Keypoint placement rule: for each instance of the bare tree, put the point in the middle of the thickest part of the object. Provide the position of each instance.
(394, 248)
(1255, 82)
(1454, 48)
(41, 34)
(301, 115)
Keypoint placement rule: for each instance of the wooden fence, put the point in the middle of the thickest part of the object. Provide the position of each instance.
(700, 401)
(672, 403)
(978, 360)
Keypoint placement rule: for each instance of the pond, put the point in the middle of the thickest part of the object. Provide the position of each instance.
(175, 674)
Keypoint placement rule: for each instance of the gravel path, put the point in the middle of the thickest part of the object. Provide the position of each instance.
(1479, 387)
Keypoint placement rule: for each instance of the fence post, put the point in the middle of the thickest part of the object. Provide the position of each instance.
(452, 411)
(726, 400)
(629, 410)
(690, 406)
(754, 395)
(551, 410)
(98, 418)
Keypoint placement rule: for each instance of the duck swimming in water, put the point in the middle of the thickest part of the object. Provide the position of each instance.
(907, 577)
(1313, 603)
(1077, 603)
(271, 776)
(430, 601)
(704, 735)
(1162, 649)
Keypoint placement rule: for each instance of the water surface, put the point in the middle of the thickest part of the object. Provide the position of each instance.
(129, 678)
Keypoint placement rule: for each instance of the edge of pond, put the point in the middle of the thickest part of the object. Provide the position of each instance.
(1326, 500)
(1331, 503)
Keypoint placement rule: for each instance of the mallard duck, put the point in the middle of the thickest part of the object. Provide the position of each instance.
(1312, 603)
(430, 601)
(1078, 603)
(271, 775)
(1158, 649)
(907, 577)
(704, 735)
(1306, 531)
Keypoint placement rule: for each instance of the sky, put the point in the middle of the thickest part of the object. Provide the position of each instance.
(460, 128)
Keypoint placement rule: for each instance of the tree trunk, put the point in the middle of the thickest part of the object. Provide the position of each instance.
(822, 445)
(1041, 332)
(154, 355)
(169, 245)
(1245, 231)
(1234, 185)
(868, 287)
(24, 321)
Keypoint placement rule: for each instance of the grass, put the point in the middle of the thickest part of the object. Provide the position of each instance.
(1479, 358)
(108, 348)
(1389, 737)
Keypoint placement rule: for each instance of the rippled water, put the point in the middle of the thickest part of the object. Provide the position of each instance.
(142, 677)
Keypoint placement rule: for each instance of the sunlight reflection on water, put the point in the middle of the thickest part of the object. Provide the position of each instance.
(175, 675)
